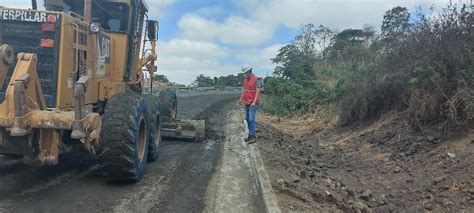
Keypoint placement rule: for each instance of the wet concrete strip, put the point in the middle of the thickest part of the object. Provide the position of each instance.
(236, 186)
(265, 191)
(266, 194)
(232, 188)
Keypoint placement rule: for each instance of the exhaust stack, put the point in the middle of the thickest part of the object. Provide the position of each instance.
(88, 9)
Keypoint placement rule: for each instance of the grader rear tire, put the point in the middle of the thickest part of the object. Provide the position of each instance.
(154, 124)
(124, 135)
(169, 104)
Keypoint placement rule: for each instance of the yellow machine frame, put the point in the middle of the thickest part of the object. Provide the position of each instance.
(24, 113)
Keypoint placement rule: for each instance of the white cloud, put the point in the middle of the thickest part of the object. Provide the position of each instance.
(15, 4)
(198, 28)
(332, 13)
(159, 3)
(195, 49)
(234, 30)
(181, 60)
(211, 11)
(260, 59)
(243, 31)
(158, 7)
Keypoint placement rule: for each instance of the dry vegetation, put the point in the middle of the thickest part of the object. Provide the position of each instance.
(421, 64)
(303, 123)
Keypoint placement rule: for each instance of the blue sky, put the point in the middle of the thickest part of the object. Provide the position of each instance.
(216, 37)
(217, 10)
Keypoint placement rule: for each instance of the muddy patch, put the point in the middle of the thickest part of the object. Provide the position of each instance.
(196, 167)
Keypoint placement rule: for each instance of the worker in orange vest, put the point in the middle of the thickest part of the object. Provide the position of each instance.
(251, 99)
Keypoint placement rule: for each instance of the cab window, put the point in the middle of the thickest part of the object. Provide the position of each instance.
(113, 16)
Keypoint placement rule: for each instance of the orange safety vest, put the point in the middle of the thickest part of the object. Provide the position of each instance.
(250, 89)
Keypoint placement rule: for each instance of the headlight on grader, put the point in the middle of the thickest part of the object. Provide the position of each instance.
(95, 27)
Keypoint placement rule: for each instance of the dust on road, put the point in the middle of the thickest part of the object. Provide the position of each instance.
(177, 181)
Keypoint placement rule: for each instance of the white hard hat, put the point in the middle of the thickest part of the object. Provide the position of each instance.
(246, 68)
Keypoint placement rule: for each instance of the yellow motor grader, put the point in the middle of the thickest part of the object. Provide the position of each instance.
(75, 85)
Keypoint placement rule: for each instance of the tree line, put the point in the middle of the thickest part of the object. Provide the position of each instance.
(222, 81)
(206, 81)
(421, 63)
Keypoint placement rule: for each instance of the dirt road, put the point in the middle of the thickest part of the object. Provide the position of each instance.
(176, 182)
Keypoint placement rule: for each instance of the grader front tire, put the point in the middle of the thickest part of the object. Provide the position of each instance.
(125, 135)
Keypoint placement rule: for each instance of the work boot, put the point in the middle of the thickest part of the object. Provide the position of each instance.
(247, 138)
(252, 140)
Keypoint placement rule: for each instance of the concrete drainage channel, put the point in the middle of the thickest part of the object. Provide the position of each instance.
(262, 180)
(241, 183)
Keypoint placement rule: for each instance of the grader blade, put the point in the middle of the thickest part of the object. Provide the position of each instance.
(188, 130)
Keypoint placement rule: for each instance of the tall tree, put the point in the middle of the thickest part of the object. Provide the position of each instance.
(395, 22)
(323, 37)
(295, 60)
(161, 78)
(350, 44)
(204, 81)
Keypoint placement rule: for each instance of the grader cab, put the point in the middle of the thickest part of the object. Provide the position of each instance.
(75, 85)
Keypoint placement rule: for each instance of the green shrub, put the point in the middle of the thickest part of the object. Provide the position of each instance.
(284, 97)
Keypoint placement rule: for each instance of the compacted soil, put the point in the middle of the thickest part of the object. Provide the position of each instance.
(378, 167)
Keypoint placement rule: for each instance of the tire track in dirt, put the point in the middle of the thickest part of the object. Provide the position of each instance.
(74, 186)
(188, 195)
